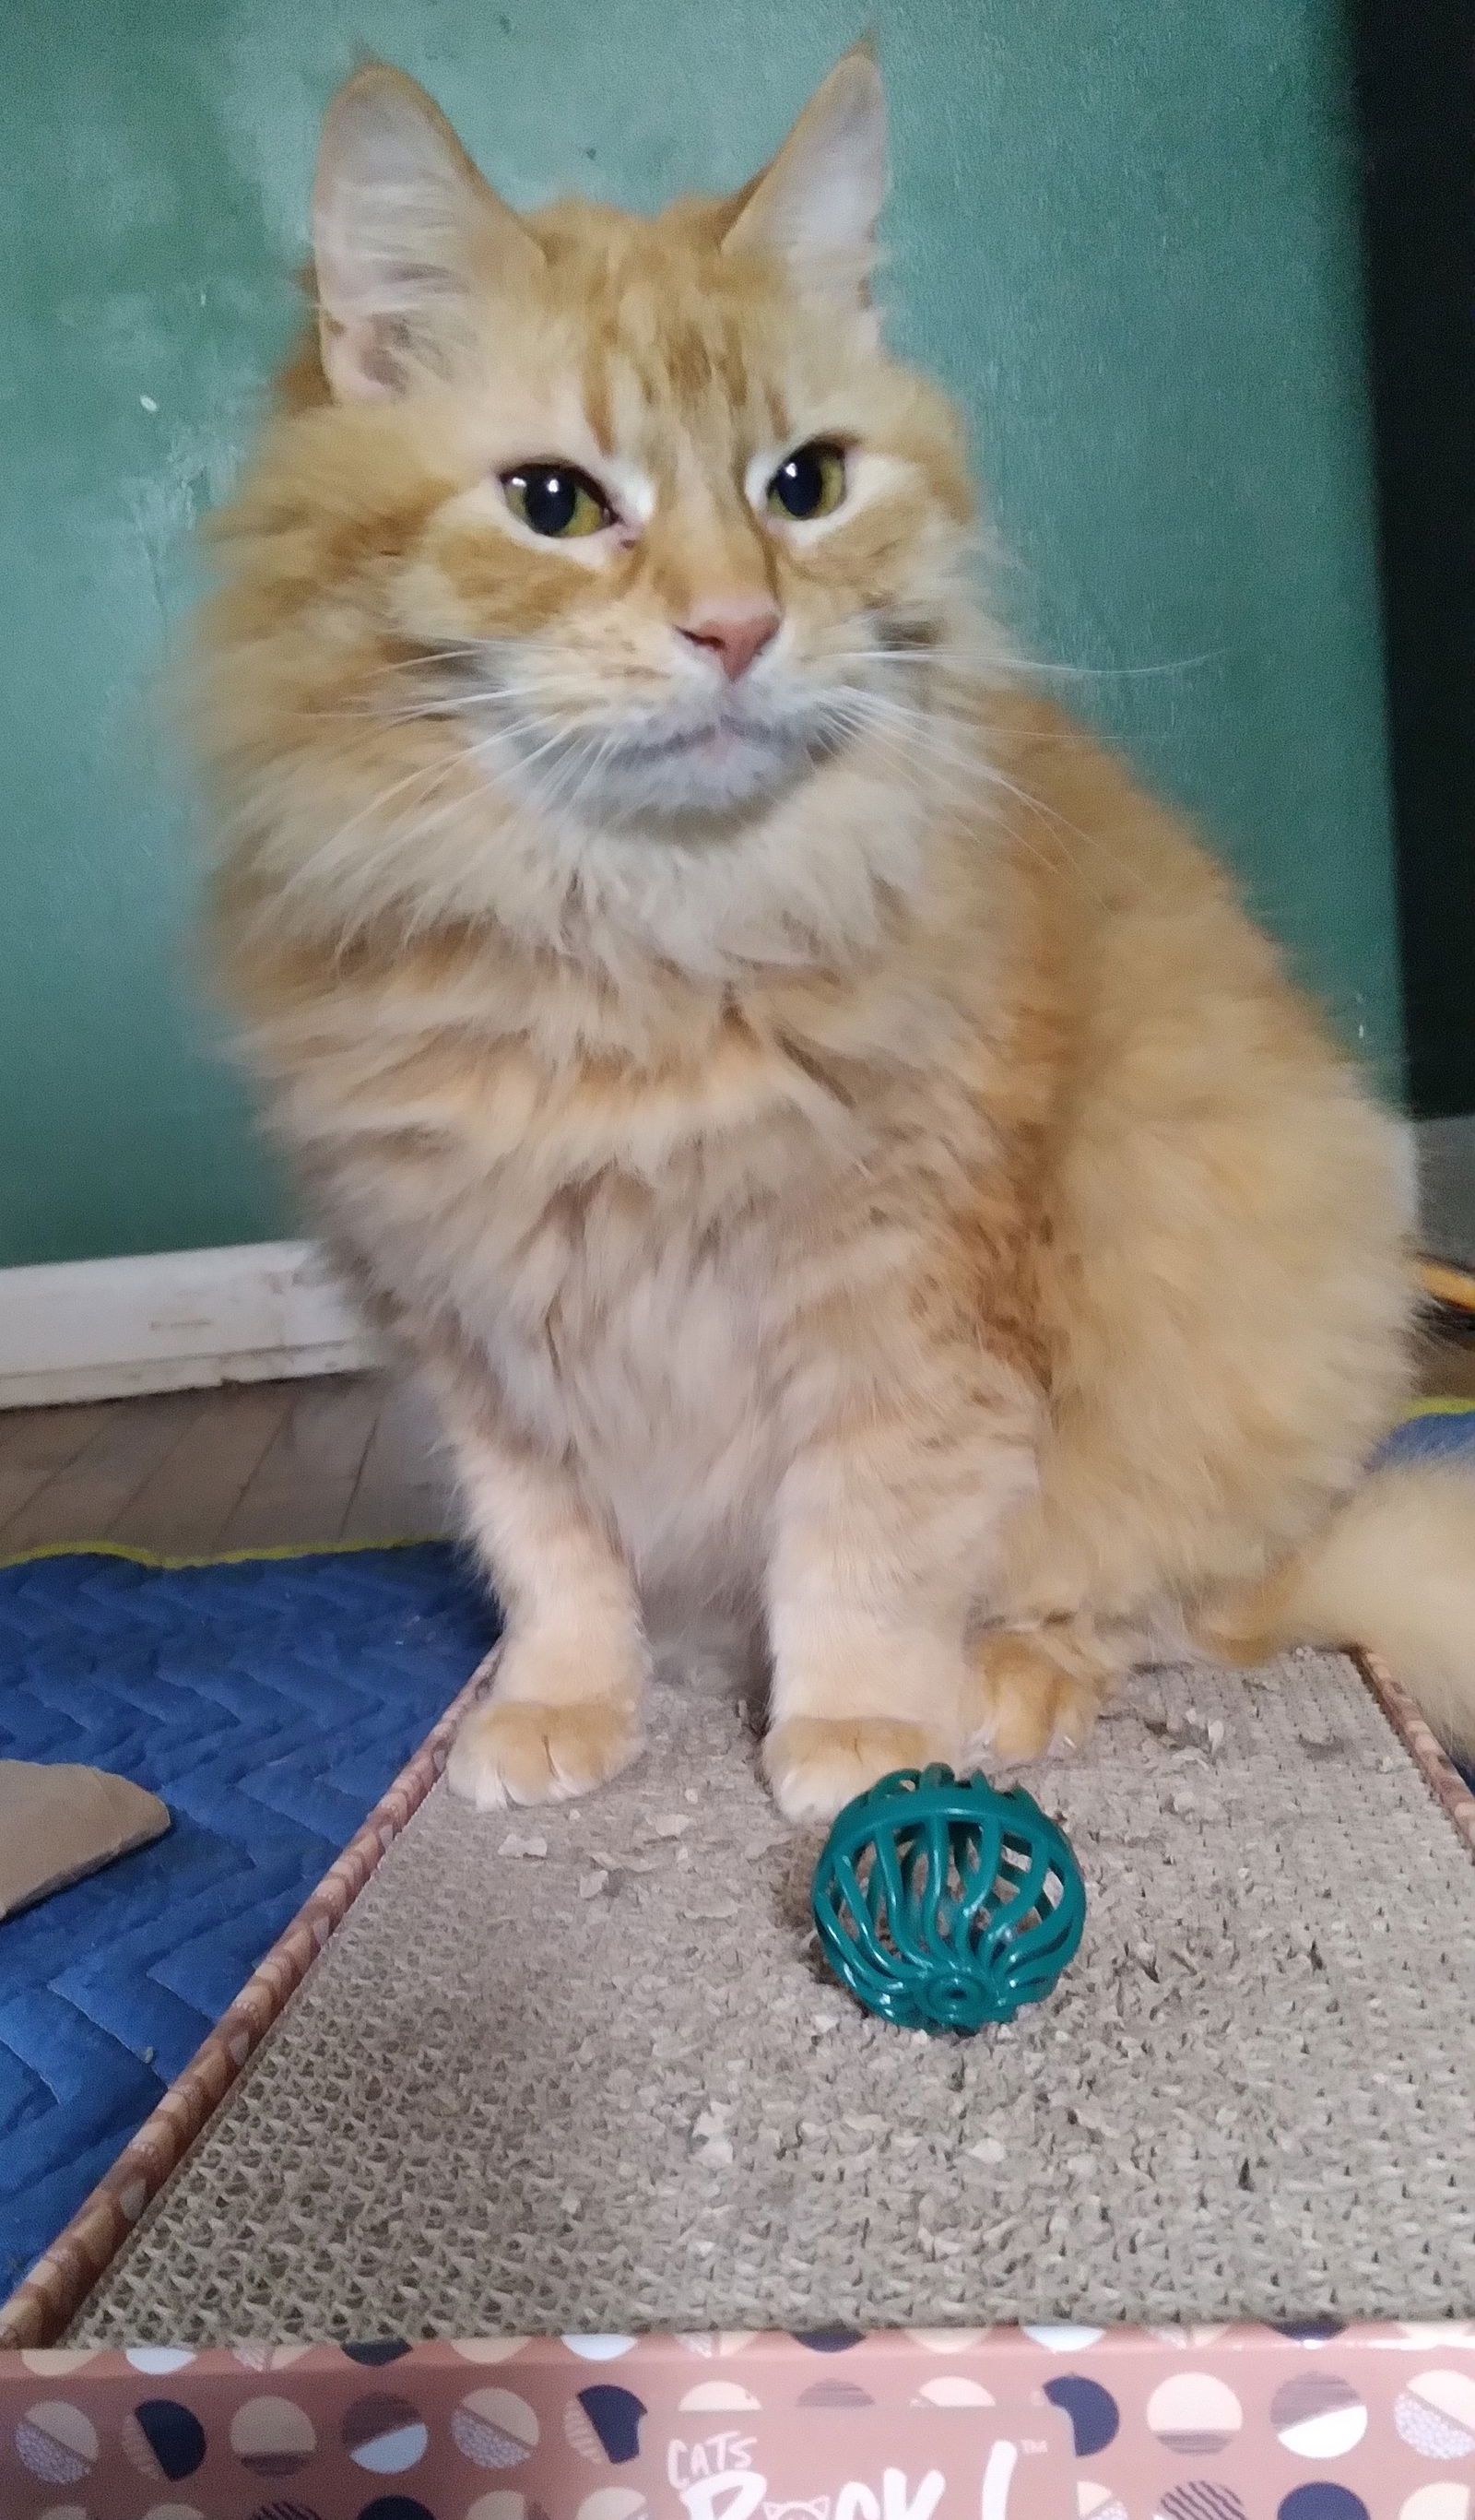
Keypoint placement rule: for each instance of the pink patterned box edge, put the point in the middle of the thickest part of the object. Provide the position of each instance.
(1044, 2423)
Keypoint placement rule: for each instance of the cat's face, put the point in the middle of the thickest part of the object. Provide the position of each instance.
(676, 527)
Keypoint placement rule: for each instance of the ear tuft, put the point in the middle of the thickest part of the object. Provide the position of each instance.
(404, 227)
(817, 202)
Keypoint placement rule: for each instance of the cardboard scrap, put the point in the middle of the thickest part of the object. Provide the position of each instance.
(59, 1823)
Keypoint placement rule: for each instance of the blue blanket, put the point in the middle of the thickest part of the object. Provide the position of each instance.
(269, 1703)
(1444, 1430)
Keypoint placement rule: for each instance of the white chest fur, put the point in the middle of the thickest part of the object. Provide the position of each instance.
(642, 1287)
(670, 1270)
(652, 1349)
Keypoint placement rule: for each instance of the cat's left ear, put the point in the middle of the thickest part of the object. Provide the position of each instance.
(817, 202)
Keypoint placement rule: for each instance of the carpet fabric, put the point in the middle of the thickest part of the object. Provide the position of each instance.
(269, 1703)
(583, 2069)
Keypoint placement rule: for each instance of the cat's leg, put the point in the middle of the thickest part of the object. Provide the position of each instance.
(881, 1544)
(564, 1712)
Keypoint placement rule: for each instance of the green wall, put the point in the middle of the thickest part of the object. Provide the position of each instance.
(1124, 231)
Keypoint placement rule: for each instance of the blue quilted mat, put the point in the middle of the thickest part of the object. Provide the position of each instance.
(270, 1703)
(1444, 1432)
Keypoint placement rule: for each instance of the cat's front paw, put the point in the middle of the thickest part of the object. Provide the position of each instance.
(1031, 1699)
(518, 1751)
(816, 1763)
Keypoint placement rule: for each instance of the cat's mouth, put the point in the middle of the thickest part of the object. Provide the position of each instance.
(730, 765)
(717, 739)
(720, 759)
(726, 762)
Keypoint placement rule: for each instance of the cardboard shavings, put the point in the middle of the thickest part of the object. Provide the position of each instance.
(518, 1842)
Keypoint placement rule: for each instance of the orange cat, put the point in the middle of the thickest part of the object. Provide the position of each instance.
(839, 1155)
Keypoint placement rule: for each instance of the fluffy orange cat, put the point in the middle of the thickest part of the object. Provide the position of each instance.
(837, 1152)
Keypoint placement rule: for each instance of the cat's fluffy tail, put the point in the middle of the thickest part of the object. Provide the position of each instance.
(1392, 1570)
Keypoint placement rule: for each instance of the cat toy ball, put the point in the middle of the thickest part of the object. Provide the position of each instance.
(942, 1904)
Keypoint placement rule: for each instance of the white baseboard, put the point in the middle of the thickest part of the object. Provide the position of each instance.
(174, 1320)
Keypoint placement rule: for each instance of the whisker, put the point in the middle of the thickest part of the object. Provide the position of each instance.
(1122, 673)
(897, 724)
(963, 662)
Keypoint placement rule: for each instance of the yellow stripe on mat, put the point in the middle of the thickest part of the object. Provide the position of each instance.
(225, 1557)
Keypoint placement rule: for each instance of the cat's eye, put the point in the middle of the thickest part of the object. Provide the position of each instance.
(810, 482)
(556, 500)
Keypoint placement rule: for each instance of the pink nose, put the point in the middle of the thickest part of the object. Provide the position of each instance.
(735, 634)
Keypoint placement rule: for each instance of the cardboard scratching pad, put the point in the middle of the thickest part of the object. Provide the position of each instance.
(59, 1823)
(582, 2069)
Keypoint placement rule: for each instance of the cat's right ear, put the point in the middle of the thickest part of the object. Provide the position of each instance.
(406, 234)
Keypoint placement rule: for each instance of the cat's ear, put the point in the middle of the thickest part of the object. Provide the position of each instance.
(406, 231)
(818, 200)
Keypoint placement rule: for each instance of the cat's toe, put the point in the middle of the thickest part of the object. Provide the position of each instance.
(815, 1765)
(521, 1752)
(1028, 1701)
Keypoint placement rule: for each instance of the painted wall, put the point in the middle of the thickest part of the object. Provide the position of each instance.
(1125, 234)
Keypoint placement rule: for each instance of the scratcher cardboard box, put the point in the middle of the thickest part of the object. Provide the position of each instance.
(532, 2131)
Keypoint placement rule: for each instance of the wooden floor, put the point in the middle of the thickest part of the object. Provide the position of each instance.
(274, 1464)
(258, 1465)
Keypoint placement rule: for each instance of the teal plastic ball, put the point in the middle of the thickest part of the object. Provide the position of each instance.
(942, 1904)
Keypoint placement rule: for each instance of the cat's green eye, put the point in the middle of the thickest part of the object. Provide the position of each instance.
(556, 500)
(810, 482)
